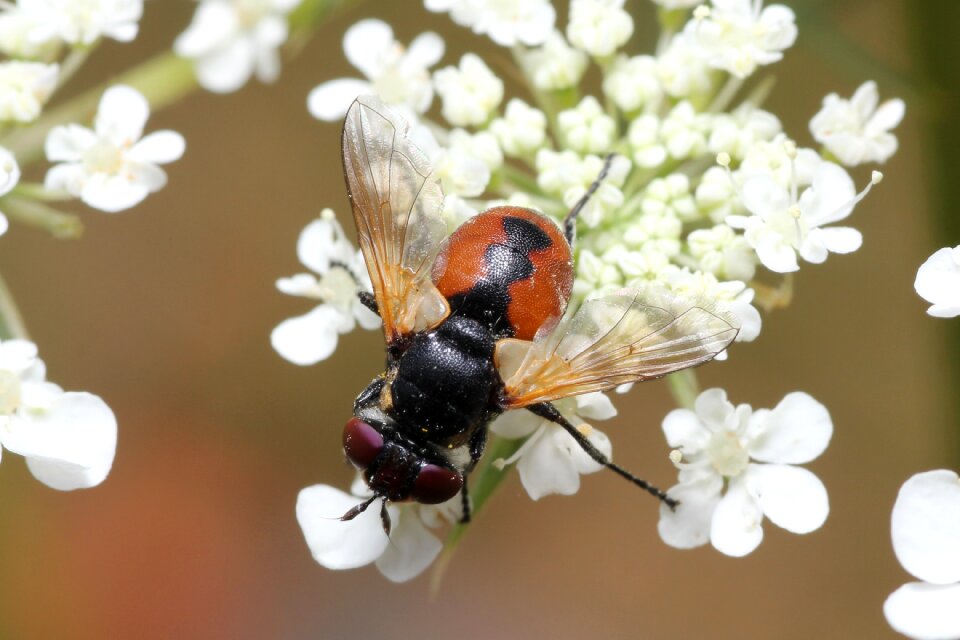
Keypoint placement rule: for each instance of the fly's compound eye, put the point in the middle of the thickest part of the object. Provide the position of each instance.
(436, 484)
(361, 442)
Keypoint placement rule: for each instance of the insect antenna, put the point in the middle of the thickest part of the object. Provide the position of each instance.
(549, 412)
(570, 222)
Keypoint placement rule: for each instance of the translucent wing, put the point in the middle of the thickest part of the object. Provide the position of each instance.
(396, 206)
(629, 336)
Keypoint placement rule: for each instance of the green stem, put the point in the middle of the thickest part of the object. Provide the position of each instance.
(483, 483)
(40, 216)
(11, 322)
(684, 387)
(36, 191)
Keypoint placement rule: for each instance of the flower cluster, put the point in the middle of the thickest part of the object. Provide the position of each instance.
(67, 438)
(705, 195)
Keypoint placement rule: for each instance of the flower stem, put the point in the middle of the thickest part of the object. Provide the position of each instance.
(11, 322)
(684, 387)
(41, 216)
(484, 482)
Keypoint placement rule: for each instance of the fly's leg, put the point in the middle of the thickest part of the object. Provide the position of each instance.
(570, 222)
(478, 442)
(549, 412)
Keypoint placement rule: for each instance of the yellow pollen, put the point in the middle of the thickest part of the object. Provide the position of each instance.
(585, 430)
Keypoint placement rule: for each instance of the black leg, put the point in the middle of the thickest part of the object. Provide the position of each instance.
(570, 222)
(478, 442)
(367, 300)
(549, 412)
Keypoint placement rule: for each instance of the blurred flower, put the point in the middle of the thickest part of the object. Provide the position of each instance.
(938, 282)
(324, 249)
(857, 130)
(507, 23)
(9, 177)
(550, 460)
(29, 27)
(469, 92)
(555, 65)
(925, 528)
(586, 128)
(231, 40)
(723, 493)
(740, 35)
(336, 544)
(599, 27)
(25, 88)
(399, 76)
(522, 130)
(110, 167)
(67, 438)
(633, 83)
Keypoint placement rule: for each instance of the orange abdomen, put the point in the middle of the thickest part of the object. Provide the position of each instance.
(509, 268)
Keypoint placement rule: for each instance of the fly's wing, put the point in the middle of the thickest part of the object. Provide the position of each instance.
(396, 203)
(629, 336)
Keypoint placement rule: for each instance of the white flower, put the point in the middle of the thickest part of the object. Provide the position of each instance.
(110, 167)
(231, 40)
(684, 131)
(522, 130)
(67, 438)
(9, 177)
(460, 168)
(399, 76)
(682, 69)
(633, 83)
(938, 282)
(724, 495)
(24, 88)
(336, 544)
(551, 461)
(470, 93)
(586, 128)
(716, 195)
(740, 35)
(644, 138)
(783, 225)
(599, 27)
(732, 296)
(31, 27)
(507, 22)
(723, 252)
(678, 4)
(671, 196)
(324, 249)
(737, 133)
(925, 528)
(857, 130)
(554, 66)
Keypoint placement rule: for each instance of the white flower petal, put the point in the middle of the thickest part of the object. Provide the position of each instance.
(112, 193)
(68, 142)
(227, 69)
(762, 196)
(516, 424)
(796, 431)
(792, 497)
(70, 445)
(925, 526)
(688, 526)
(364, 44)
(160, 147)
(425, 50)
(925, 611)
(330, 100)
(412, 547)
(310, 338)
(546, 468)
(122, 114)
(334, 543)
(684, 430)
(938, 282)
(595, 406)
(736, 528)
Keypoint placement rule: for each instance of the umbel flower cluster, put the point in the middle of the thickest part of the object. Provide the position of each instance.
(706, 196)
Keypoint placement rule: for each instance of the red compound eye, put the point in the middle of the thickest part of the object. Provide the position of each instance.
(436, 484)
(361, 442)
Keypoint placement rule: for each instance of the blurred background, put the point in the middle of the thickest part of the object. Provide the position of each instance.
(165, 311)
